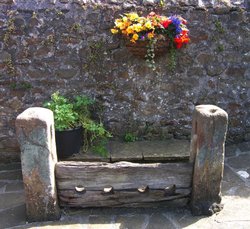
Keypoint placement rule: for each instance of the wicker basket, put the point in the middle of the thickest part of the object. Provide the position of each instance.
(140, 48)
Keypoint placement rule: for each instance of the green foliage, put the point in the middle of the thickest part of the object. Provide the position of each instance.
(10, 66)
(20, 85)
(10, 30)
(172, 58)
(64, 114)
(130, 137)
(219, 26)
(161, 3)
(70, 114)
(218, 35)
(100, 147)
(220, 48)
(96, 51)
(75, 27)
(49, 41)
(150, 56)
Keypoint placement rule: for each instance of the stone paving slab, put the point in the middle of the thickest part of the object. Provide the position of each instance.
(11, 175)
(12, 166)
(157, 221)
(8, 200)
(236, 200)
(14, 187)
(167, 150)
(13, 216)
(240, 162)
(89, 156)
(122, 151)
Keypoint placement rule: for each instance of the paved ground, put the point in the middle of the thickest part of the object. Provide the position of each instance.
(235, 215)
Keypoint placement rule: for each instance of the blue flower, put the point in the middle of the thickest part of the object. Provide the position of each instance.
(176, 22)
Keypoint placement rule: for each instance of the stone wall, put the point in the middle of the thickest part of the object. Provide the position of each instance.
(66, 45)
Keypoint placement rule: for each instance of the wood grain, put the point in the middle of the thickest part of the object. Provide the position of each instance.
(125, 198)
(122, 175)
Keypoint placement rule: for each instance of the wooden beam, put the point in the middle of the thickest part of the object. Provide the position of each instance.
(121, 198)
(122, 175)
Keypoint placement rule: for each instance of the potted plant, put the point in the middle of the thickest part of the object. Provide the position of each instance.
(73, 125)
(152, 35)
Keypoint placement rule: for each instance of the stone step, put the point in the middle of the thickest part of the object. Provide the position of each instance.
(141, 151)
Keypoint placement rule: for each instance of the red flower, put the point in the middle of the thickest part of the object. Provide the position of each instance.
(166, 23)
(181, 39)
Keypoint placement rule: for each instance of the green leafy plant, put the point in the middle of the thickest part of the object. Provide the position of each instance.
(69, 114)
(130, 137)
(65, 116)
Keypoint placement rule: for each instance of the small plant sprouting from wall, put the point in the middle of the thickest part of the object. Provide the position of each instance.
(10, 66)
(96, 50)
(49, 41)
(10, 30)
(20, 85)
(130, 137)
(75, 28)
(219, 27)
(217, 36)
(220, 48)
(161, 3)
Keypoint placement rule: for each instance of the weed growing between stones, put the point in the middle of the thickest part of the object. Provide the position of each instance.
(10, 66)
(21, 85)
(130, 137)
(10, 30)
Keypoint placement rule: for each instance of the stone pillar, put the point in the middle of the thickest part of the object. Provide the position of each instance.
(35, 133)
(209, 129)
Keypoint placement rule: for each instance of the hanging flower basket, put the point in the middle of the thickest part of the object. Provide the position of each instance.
(153, 35)
(140, 48)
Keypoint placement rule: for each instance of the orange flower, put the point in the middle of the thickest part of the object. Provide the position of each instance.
(151, 35)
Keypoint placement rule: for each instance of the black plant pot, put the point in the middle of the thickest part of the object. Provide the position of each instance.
(68, 142)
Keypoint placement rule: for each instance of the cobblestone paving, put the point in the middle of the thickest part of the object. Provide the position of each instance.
(235, 190)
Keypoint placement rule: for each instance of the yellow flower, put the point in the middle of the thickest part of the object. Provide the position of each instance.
(150, 35)
(117, 21)
(141, 20)
(138, 27)
(135, 37)
(114, 31)
(132, 16)
(130, 30)
(125, 19)
(121, 25)
(148, 25)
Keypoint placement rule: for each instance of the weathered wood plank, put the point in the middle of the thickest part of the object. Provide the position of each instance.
(122, 175)
(118, 198)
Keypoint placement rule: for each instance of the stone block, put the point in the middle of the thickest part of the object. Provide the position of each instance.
(35, 133)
